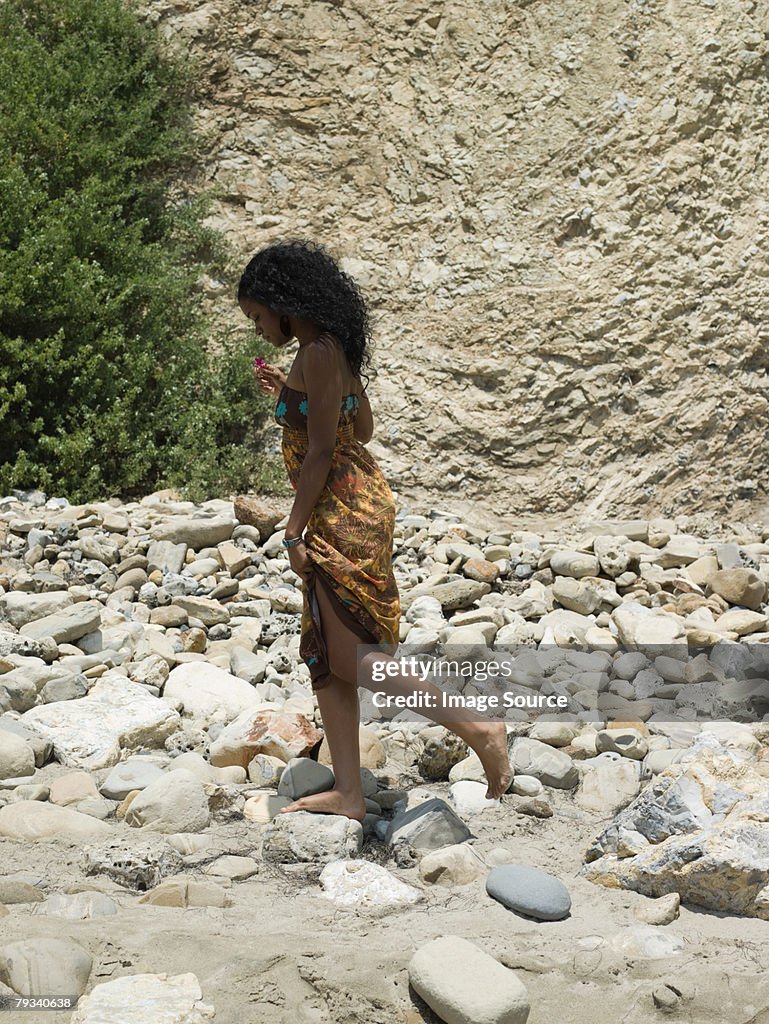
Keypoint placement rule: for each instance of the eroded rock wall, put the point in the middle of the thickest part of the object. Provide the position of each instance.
(558, 212)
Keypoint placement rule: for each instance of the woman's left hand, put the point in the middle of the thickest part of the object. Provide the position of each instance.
(300, 561)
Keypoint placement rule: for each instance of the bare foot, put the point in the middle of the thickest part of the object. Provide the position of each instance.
(491, 748)
(333, 801)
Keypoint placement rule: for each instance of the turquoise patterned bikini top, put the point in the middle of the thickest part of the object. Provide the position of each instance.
(291, 410)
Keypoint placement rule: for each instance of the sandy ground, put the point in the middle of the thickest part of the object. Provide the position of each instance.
(283, 953)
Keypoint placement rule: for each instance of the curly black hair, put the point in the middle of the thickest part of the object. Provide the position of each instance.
(300, 277)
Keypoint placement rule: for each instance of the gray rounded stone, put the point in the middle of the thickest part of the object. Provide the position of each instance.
(529, 891)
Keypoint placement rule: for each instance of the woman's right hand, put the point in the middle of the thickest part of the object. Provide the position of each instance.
(270, 378)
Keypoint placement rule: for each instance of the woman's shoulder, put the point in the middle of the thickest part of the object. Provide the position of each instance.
(332, 344)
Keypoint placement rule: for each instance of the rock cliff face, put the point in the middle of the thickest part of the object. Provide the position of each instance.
(558, 212)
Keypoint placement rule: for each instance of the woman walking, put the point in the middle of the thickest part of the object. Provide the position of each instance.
(340, 529)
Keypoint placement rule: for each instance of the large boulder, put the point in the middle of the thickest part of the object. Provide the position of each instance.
(700, 829)
(210, 693)
(92, 732)
(176, 802)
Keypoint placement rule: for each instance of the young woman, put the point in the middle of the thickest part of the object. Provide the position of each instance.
(340, 530)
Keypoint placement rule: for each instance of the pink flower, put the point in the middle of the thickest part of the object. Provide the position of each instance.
(259, 361)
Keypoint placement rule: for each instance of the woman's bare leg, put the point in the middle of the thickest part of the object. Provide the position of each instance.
(487, 738)
(340, 711)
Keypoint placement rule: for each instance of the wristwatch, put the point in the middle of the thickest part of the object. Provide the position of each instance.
(290, 542)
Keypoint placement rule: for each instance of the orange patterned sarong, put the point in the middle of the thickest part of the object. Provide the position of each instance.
(348, 538)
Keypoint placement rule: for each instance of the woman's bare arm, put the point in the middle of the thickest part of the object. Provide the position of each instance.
(323, 380)
(364, 421)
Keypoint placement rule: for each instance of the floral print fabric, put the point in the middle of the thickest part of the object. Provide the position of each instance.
(348, 536)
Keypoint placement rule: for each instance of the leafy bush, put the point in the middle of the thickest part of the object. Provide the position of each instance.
(111, 378)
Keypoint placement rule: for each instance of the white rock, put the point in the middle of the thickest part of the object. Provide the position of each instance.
(526, 785)
(555, 734)
(194, 762)
(195, 533)
(580, 596)
(189, 842)
(425, 610)
(145, 999)
(551, 766)
(657, 761)
(659, 911)
(92, 732)
(586, 741)
(564, 627)
(360, 884)
(20, 608)
(78, 906)
(469, 798)
(300, 836)
(264, 770)
(468, 769)
(731, 734)
(67, 625)
(637, 625)
(609, 786)
(263, 807)
(133, 773)
(612, 555)
(625, 741)
(647, 941)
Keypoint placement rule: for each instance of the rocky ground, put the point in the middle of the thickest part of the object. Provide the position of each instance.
(154, 716)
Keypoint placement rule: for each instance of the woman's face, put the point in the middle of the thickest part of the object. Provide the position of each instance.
(267, 322)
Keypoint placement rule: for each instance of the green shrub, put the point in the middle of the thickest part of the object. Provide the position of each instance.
(111, 379)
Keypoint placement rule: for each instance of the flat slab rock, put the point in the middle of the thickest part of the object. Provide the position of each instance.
(428, 826)
(529, 891)
(145, 999)
(465, 985)
(39, 821)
